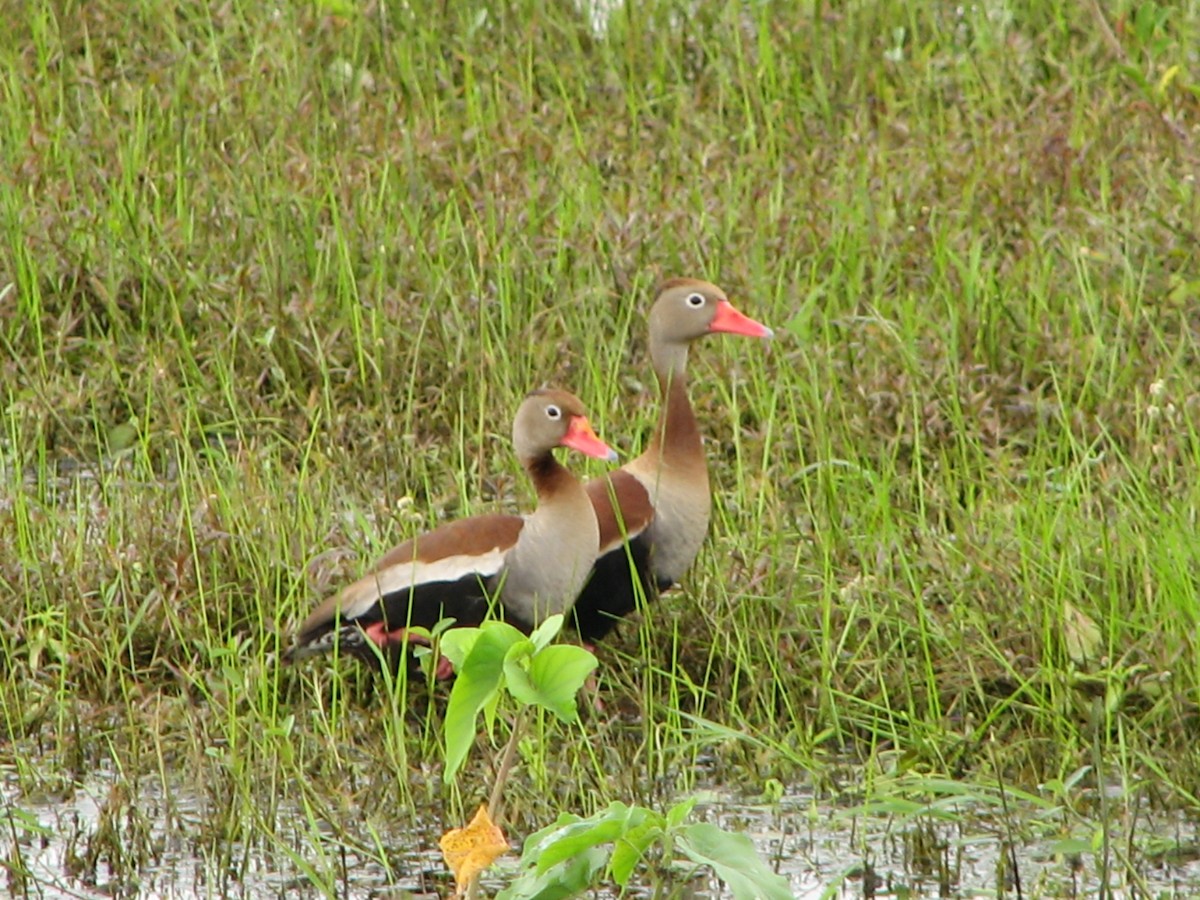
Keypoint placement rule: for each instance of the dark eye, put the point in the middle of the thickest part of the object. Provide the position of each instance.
(695, 301)
(553, 412)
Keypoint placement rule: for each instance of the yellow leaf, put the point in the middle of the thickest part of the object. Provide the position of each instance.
(468, 851)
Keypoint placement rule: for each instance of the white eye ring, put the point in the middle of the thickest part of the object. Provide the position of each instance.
(553, 412)
(695, 301)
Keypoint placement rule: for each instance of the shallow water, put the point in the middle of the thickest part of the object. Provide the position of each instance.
(832, 851)
(64, 842)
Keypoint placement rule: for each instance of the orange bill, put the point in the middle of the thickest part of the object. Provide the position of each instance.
(730, 321)
(581, 437)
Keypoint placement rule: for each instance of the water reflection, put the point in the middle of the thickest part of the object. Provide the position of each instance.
(108, 837)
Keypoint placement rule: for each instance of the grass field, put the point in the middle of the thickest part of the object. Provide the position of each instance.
(273, 280)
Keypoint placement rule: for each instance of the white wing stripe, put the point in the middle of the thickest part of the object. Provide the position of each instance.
(359, 597)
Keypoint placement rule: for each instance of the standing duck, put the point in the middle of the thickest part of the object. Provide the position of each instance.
(530, 567)
(653, 511)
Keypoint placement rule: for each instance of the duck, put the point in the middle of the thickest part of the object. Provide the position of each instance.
(522, 568)
(653, 512)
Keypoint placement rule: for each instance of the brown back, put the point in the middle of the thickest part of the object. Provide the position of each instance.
(632, 515)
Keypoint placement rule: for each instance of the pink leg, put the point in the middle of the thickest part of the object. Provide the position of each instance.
(445, 669)
(378, 633)
(383, 638)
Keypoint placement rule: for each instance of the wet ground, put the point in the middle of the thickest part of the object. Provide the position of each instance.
(77, 841)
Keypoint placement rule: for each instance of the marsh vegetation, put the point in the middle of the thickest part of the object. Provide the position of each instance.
(274, 278)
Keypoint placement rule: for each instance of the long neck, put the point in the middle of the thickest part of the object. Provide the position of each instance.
(549, 476)
(675, 474)
(557, 546)
(676, 437)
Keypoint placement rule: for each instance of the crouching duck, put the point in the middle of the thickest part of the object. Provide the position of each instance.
(524, 568)
(653, 512)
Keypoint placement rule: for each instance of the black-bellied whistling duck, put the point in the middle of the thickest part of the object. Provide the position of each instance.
(662, 503)
(531, 567)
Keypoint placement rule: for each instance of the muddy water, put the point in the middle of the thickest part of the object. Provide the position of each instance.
(72, 845)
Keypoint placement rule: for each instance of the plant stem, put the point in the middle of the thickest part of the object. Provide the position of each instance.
(496, 800)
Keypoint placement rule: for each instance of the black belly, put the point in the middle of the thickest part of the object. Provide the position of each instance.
(467, 600)
(621, 580)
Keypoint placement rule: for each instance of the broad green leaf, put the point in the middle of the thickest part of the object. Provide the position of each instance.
(520, 650)
(555, 675)
(516, 672)
(734, 860)
(679, 812)
(602, 828)
(457, 643)
(567, 879)
(509, 634)
(547, 631)
(559, 672)
(631, 847)
(478, 681)
(535, 843)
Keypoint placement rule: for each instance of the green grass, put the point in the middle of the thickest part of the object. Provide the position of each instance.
(273, 281)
